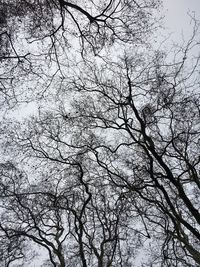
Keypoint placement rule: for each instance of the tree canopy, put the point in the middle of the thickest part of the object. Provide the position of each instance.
(99, 139)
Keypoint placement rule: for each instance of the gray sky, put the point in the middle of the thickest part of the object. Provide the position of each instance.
(177, 19)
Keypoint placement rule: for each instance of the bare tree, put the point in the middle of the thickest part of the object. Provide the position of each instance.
(96, 22)
(108, 167)
(69, 211)
(40, 39)
(143, 118)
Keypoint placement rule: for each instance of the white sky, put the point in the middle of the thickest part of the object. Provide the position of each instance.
(177, 19)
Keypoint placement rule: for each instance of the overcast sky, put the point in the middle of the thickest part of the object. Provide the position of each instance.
(177, 19)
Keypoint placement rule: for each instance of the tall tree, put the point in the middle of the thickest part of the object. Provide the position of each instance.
(107, 169)
(144, 114)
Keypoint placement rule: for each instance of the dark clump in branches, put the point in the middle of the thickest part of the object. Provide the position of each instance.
(94, 23)
(39, 37)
